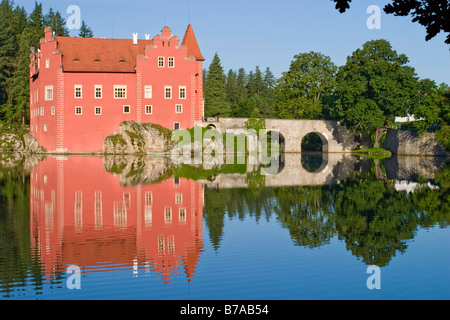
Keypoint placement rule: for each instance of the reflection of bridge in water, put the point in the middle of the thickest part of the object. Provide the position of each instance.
(291, 169)
(292, 172)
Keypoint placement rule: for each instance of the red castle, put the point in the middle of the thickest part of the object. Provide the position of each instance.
(81, 89)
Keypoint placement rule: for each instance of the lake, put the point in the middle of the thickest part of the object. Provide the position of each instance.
(318, 226)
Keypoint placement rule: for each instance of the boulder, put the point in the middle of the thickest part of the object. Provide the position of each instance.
(12, 142)
(139, 138)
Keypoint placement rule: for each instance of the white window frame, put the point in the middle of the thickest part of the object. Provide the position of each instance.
(180, 106)
(151, 109)
(48, 89)
(168, 215)
(148, 92)
(53, 110)
(47, 63)
(161, 62)
(42, 111)
(98, 86)
(171, 62)
(180, 90)
(78, 86)
(98, 108)
(165, 92)
(45, 127)
(76, 110)
(182, 215)
(149, 198)
(129, 109)
(118, 87)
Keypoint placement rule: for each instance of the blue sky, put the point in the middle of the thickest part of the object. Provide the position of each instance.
(264, 33)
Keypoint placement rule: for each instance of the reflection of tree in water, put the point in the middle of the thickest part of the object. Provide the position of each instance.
(371, 216)
(374, 219)
(17, 261)
(234, 203)
(305, 211)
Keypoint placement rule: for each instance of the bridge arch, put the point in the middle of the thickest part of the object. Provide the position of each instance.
(313, 134)
(280, 137)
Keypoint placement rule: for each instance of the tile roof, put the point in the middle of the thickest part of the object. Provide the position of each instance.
(112, 55)
(100, 55)
(190, 42)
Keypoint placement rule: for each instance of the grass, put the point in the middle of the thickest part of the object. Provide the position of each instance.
(373, 153)
(196, 173)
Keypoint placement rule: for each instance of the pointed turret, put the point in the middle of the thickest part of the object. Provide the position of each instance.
(190, 42)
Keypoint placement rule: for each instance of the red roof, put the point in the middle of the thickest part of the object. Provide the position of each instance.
(190, 42)
(112, 55)
(100, 55)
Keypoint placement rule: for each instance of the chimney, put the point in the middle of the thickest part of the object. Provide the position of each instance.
(135, 38)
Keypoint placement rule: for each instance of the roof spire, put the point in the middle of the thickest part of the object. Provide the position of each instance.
(190, 42)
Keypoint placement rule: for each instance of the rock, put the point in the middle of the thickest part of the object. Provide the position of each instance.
(12, 142)
(139, 138)
(410, 143)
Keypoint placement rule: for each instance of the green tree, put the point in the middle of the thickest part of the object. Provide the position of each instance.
(55, 21)
(85, 31)
(373, 87)
(301, 90)
(241, 81)
(12, 22)
(216, 103)
(232, 91)
(431, 106)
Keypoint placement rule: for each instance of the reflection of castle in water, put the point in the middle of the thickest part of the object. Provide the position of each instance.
(129, 212)
(81, 215)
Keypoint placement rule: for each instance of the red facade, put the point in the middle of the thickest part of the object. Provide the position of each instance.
(81, 89)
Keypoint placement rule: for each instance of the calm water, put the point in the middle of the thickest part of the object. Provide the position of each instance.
(141, 228)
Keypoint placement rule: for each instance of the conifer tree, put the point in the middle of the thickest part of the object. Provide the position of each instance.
(29, 37)
(8, 48)
(216, 103)
(55, 21)
(232, 91)
(240, 82)
(85, 31)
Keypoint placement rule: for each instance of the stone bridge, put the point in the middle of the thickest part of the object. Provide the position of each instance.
(335, 138)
